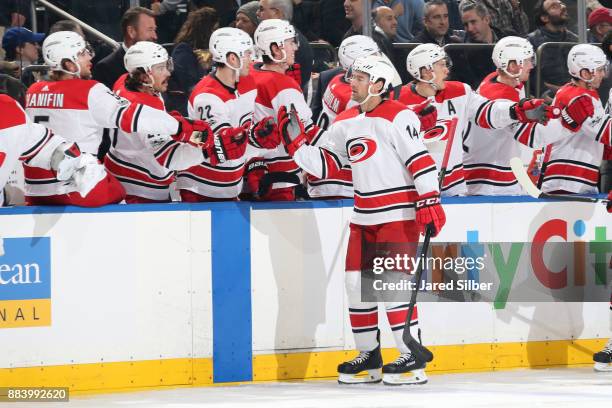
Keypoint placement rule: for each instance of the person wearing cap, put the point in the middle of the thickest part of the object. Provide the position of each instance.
(600, 22)
(246, 17)
(21, 46)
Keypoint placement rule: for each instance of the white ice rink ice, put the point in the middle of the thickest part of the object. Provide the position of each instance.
(552, 387)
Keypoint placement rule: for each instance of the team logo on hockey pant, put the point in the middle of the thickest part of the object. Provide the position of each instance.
(360, 149)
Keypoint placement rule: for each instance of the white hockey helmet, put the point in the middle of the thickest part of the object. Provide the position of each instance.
(512, 49)
(354, 47)
(424, 56)
(378, 68)
(273, 31)
(60, 46)
(146, 54)
(585, 56)
(229, 40)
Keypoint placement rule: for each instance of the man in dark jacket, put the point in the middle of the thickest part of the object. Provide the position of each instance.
(478, 30)
(551, 18)
(437, 30)
(137, 24)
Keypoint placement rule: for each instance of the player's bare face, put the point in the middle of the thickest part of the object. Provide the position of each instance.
(160, 74)
(438, 74)
(598, 77)
(528, 65)
(84, 61)
(247, 59)
(290, 47)
(360, 82)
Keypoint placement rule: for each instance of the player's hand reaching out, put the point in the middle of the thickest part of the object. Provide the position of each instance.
(533, 111)
(427, 113)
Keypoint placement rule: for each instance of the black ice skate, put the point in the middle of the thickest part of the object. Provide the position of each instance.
(365, 368)
(603, 359)
(406, 369)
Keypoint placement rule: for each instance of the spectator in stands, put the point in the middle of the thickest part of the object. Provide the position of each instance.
(600, 23)
(246, 17)
(437, 29)
(333, 23)
(21, 46)
(306, 18)
(385, 22)
(551, 18)
(226, 9)
(13, 87)
(506, 15)
(354, 13)
(192, 60)
(409, 15)
(161, 7)
(283, 10)
(478, 30)
(137, 24)
(66, 25)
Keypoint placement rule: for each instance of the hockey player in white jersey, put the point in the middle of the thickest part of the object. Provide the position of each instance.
(35, 145)
(396, 196)
(428, 64)
(572, 164)
(488, 151)
(79, 109)
(226, 99)
(146, 164)
(276, 41)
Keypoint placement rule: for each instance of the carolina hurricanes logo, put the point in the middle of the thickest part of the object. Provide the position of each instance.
(360, 149)
(438, 133)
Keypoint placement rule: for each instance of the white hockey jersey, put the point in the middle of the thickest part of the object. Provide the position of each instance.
(273, 91)
(21, 139)
(336, 99)
(487, 152)
(391, 167)
(79, 110)
(572, 165)
(221, 107)
(458, 100)
(145, 165)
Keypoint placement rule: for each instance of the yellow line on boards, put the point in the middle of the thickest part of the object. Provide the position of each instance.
(130, 376)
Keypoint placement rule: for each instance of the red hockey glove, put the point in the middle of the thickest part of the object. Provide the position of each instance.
(195, 132)
(266, 134)
(291, 129)
(533, 110)
(229, 144)
(577, 111)
(429, 212)
(295, 72)
(255, 170)
(609, 205)
(427, 113)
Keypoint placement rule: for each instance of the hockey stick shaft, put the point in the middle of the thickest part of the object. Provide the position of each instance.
(414, 345)
(516, 164)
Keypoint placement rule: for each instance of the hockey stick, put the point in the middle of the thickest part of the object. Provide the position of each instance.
(516, 164)
(414, 345)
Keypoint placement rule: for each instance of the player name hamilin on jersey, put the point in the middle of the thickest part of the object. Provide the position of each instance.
(45, 100)
(331, 101)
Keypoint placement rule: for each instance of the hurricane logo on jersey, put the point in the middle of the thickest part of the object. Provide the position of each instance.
(360, 149)
(438, 133)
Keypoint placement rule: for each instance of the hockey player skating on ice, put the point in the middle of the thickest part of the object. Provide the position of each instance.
(429, 65)
(79, 109)
(572, 165)
(396, 195)
(226, 99)
(488, 151)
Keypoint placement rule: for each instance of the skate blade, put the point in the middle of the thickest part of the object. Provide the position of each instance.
(414, 377)
(368, 376)
(603, 367)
